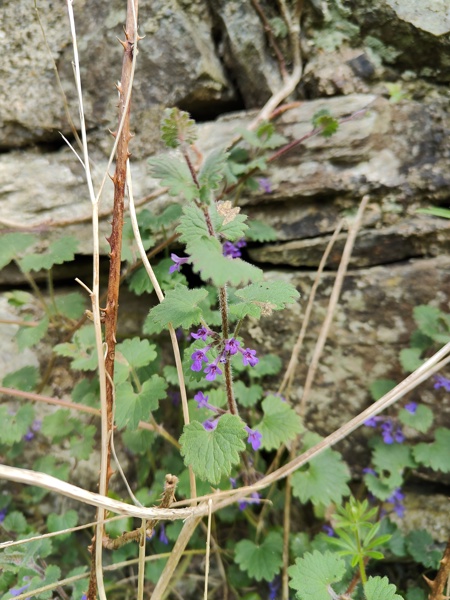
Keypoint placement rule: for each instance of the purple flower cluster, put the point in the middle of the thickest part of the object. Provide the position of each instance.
(441, 382)
(274, 588)
(391, 432)
(35, 427)
(233, 250)
(230, 347)
(396, 498)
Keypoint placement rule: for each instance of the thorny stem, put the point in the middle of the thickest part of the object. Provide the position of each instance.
(438, 584)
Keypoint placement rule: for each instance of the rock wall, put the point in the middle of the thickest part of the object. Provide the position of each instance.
(213, 59)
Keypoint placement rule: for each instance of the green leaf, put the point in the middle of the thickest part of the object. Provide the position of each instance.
(132, 407)
(179, 307)
(177, 128)
(62, 521)
(444, 213)
(265, 296)
(423, 549)
(139, 441)
(228, 222)
(30, 336)
(379, 588)
(410, 359)
(247, 396)
(15, 522)
(260, 561)
(421, 420)
(58, 425)
(323, 119)
(416, 593)
(15, 426)
(313, 574)
(81, 350)
(71, 305)
(18, 298)
(81, 446)
(269, 364)
(389, 461)
(137, 352)
(166, 219)
(174, 174)
(324, 479)
(211, 454)
(280, 423)
(52, 575)
(59, 252)
(437, 454)
(12, 245)
(212, 170)
(260, 232)
(24, 379)
(427, 318)
(380, 387)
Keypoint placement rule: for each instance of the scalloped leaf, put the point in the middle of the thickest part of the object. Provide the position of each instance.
(260, 561)
(12, 246)
(137, 352)
(59, 252)
(280, 423)
(260, 232)
(132, 407)
(212, 170)
(174, 174)
(312, 575)
(421, 420)
(423, 548)
(30, 336)
(265, 296)
(324, 479)
(179, 307)
(437, 454)
(379, 588)
(211, 454)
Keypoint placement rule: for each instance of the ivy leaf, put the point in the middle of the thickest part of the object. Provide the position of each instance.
(12, 245)
(265, 296)
(428, 319)
(228, 222)
(324, 479)
(260, 232)
(380, 387)
(421, 420)
(410, 359)
(179, 307)
(175, 175)
(313, 574)
(389, 461)
(247, 396)
(52, 575)
(71, 305)
(58, 425)
(132, 407)
(423, 549)
(260, 561)
(269, 364)
(137, 352)
(15, 426)
(24, 379)
(177, 128)
(166, 219)
(211, 454)
(30, 336)
(15, 522)
(81, 446)
(437, 454)
(139, 441)
(280, 423)
(322, 119)
(59, 252)
(81, 349)
(66, 520)
(379, 588)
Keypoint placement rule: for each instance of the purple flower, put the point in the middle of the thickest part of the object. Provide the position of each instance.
(210, 425)
(274, 588)
(265, 185)
(371, 422)
(198, 357)
(233, 482)
(232, 345)
(178, 261)
(328, 530)
(369, 471)
(397, 500)
(201, 399)
(212, 371)
(255, 500)
(3, 514)
(249, 357)
(398, 436)
(84, 597)
(230, 250)
(162, 535)
(387, 432)
(201, 334)
(441, 382)
(411, 407)
(17, 591)
(254, 438)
